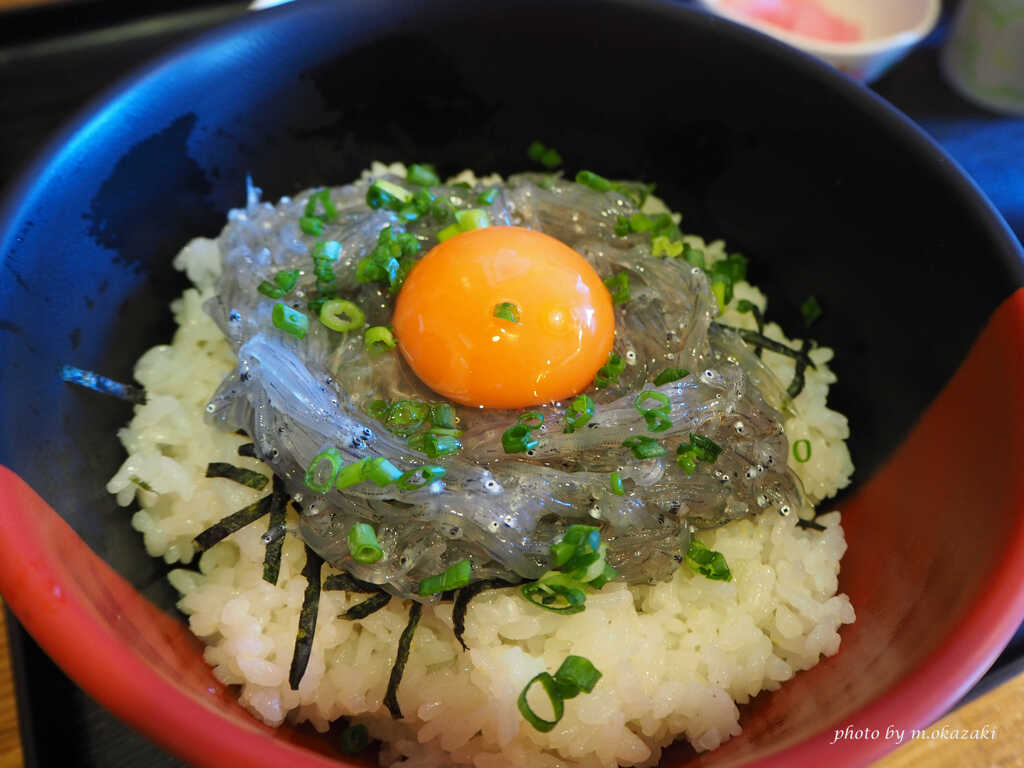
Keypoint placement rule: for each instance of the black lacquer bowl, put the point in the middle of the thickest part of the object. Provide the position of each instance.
(825, 187)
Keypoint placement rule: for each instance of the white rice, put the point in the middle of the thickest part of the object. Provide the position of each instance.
(676, 658)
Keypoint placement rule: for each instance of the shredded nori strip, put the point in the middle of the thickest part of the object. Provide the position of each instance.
(349, 583)
(796, 386)
(810, 524)
(275, 532)
(233, 522)
(307, 618)
(759, 319)
(238, 474)
(404, 644)
(102, 384)
(758, 340)
(248, 450)
(368, 606)
(466, 594)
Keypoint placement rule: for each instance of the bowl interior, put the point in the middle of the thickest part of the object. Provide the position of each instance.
(828, 191)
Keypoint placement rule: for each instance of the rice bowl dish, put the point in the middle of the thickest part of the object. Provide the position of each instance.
(677, 651)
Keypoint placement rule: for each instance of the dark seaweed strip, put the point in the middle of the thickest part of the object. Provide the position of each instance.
(102, 384)
(462, 604)
(243, 476)
(349, 583)
(796, 386)
(307, 618)
(248, 450)
(233, 522)
(756, 339)
(810, 524)
(275, 532)
(368, 606)
(404, 644)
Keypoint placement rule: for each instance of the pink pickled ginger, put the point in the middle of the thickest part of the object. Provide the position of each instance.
(804, 17)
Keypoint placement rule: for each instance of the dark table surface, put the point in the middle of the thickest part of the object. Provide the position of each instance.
(54, 60)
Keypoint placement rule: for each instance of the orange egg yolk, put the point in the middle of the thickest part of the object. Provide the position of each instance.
(448, 332)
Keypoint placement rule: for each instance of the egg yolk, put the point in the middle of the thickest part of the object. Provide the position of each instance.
(448, 332)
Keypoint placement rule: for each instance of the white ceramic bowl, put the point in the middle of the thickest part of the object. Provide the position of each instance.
(891, 28)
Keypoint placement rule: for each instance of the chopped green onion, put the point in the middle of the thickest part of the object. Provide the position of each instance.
(546, 156)
(378, 339)
(718, 289)
(487, 197)
(454, 577)
(622, 227)
(802, 451)
(669, 375)
(707, 562)
(435, 445)
(270, 290)
(422, 200)
(550, 687)
(608, 574)
(618, 286)
(381, 472)
(324, 273)
(354, 739)
(311, 226)
(532, 419)
(662, 246)
(323, 197)
(474, 218)
(385, 194)
(363, 544)
(610, 371)
(579, 540)
(694, 256)
(577, 674)
(415, 479)
(335, 460)
(286, 279)
(351, 475)
(442, 415)
(507, 311)
(448, 232)
(378, 409)
(290, 320)
(644, 447)
(422, 175)
(551, 591)
(811, 310)
(615, 482)
(518, 439)
(699, 448)
(329, 250)
(579, 412)
(442, 211)
(406, 416)
(594, 181)
(657, 418)
(333, 310)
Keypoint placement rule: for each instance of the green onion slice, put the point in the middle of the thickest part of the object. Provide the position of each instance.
(311, 226)
(270, 290)
(657, 418)
(579, 413)
(290, 321)
(379, 339)
(385, 194)
(518, 439)
(615, 483)
(351, 475)
(474, 218)
(559, 595)
(381, 472)
(448, 232)
(594, 181)
(532, 419)
(321, 199)
(363, 544)
(422, 175)
(487, 197)
(610, 371)
(286, 279)
(506, 310)
(442, 415)
(670, 375)
(547, 682)
(435, 445)
(315, 478)
(644, 447)
(341, 315)
(577, 674)
(707, 562)
(455, 577)
(326, 250)
(802, 451)
(811, 310)
(618, 286)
